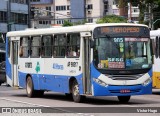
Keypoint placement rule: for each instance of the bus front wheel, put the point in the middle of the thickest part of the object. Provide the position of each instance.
(124, 99)
(75, 92)
(29, 87)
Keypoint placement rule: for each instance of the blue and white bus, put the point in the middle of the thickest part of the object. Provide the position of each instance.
(84, 60)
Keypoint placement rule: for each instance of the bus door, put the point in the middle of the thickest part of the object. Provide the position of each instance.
(86, 62)
(14, 62)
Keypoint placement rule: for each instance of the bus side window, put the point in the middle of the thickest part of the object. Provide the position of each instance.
(24, 47)
(73, 45)
(46, 46)
(35, 46)
(59, 45)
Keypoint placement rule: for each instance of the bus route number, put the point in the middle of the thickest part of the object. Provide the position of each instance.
(118, 40)
(72, 64)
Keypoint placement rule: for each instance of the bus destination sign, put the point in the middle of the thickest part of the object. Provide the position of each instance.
(120, 29)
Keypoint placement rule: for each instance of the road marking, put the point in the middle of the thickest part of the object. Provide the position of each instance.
(44, 106)
(24, 102)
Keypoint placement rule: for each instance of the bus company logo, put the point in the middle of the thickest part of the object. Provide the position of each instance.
(37, 67)
(57, 66)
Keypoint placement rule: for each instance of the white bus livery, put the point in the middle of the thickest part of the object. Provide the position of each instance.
(111, 59)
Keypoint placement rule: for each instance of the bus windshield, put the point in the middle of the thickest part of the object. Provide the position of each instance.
(122, 53)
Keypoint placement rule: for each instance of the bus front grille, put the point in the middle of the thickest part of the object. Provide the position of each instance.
(125, 77)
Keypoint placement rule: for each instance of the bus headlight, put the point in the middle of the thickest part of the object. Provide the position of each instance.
(100, 82)
(147, 82)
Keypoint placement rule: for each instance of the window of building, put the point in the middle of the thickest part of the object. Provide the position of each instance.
(68, 7)
(59, 46)
(60, 8)
(90, 20)
(60, 21)
(45, 22)
(3, 16)
(46, 48)
(73, 45)
(19, 1)
(90, 6)
(19, 18)
(49, 9)
(35, 46)
(106, 6)
(24, 47)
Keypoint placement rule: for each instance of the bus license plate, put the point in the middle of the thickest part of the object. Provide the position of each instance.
(125, 91)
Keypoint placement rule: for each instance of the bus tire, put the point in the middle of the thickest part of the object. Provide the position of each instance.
(75, 93)
(30, 87)
(124, 99)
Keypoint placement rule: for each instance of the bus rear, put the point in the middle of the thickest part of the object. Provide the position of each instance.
(122, 62)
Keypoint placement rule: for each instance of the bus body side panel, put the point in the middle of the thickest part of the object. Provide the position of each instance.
(50, 74)
(8, 71)
(57, 83)
(22, 80)
(116, 88)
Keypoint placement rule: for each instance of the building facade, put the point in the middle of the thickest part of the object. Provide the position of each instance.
(14, 15)
(43, 13)
(52, 12)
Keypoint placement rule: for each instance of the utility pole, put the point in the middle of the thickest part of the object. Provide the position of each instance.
(29, 15)
(150, 16)
(8, 15)
(130, 9)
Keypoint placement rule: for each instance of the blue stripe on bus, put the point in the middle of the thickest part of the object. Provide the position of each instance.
(57, 83)
(150, 72)
(8, 69)
(94, 72)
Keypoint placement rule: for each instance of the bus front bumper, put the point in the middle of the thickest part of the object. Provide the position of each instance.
(119, 90)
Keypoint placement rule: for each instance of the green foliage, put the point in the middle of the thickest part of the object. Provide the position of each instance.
(122, 3)
(67, 23)
(80, 22)
(112, 19)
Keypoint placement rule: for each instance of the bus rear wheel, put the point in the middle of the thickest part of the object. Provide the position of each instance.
(124, 99)
(75, 92)
(29, 87)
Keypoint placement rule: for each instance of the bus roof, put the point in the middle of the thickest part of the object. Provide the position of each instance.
(154, 33)
(79, 28)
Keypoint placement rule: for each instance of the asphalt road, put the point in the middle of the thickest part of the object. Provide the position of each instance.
(59, 103)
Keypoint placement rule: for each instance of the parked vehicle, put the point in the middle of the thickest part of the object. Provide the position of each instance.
(2, 72)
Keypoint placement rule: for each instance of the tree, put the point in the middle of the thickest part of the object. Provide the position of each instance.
(67, 23)
(112, 19)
